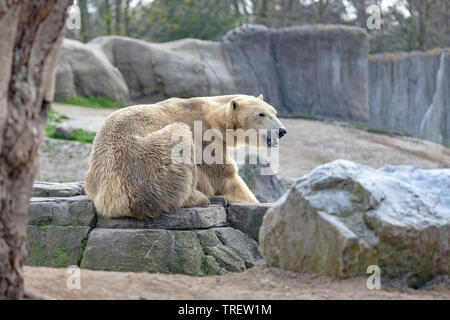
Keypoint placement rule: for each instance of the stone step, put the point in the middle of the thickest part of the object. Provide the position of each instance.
(185, 218)
(56, 189)
(192, 252)
(58, 211)
(66, 230)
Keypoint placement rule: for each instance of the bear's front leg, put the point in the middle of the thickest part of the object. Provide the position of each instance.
(236, 190)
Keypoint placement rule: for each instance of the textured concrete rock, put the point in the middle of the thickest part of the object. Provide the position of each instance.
(55, 246)
(247, 217)
(70, 211)
(323, 71)
(314, 70)
(242, 244)
(84, 70)
(435, 125)
(144, 250)
(185, 218)
(343, 217)
(261, 180)
(403, 88)
(55, 189)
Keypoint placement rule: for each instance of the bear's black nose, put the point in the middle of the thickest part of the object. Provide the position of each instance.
(282, 132)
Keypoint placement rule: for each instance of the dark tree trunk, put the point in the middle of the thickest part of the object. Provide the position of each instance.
(108, 17)
(84, 17)
(30, 37)
(118, 16)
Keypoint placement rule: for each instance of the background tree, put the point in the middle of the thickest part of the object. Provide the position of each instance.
(30, 41)
(84, 17)
(407, 24)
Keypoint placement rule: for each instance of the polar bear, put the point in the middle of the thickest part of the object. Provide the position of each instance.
(132, 172)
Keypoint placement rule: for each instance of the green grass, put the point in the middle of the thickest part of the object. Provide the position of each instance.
(369, 128)
(442, 143)
(304, 116)
(54, 116)
(83, 136)
(94, 102)
(80, 135)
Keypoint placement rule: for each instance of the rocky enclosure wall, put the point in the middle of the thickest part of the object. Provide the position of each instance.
(407, 96)
(307, 70)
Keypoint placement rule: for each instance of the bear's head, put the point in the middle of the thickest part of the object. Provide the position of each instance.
(248, 114)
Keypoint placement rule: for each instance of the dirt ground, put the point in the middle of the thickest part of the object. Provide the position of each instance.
(310, 143)
(257, 283)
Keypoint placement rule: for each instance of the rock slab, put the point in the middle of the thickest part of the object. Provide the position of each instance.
(192, 252)
(343, 217)
(248, 217)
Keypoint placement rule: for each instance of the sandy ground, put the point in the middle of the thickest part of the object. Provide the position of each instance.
(310, 143)
(256, 283)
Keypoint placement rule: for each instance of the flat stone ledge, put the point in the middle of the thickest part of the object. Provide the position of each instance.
(75, 211)
(55, 189)
(181, 219)
(247, 217)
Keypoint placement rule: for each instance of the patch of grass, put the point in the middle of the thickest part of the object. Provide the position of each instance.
(49, 130)
(94, 102)
(54, 116)
(369, 128)
(304, 116)
(83, 136)
(443, 143)
(80, 135)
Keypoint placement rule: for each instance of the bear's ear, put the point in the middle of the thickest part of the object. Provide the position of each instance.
(234, 104)
(260, 97)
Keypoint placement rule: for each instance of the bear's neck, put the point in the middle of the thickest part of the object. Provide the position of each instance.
(218, 118)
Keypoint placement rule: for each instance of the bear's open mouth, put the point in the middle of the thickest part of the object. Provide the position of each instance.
(272, 142)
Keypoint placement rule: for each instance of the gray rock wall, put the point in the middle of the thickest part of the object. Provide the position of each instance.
(435, 125)
(308, 70)
(402, 87)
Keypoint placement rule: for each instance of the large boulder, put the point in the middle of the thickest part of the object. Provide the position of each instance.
(343, 217)
(314, 70)
(84, 70)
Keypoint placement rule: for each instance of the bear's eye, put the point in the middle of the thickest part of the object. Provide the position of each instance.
(262, 115)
